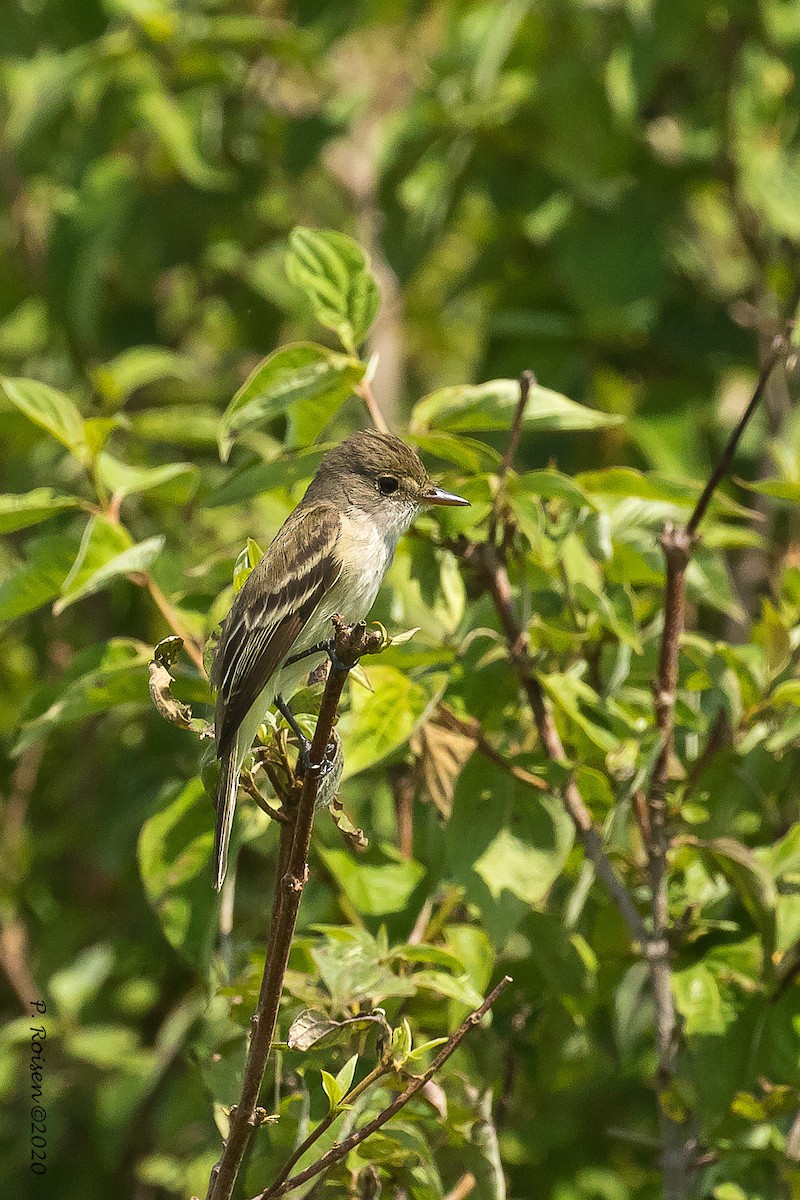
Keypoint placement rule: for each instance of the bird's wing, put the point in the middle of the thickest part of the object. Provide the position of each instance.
(269, 612)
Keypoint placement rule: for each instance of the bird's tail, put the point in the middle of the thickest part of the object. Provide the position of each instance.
(226, 803)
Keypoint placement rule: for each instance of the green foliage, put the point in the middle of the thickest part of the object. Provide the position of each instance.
(604, 193)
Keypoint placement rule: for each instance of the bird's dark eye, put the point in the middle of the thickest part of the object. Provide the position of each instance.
(387, 484)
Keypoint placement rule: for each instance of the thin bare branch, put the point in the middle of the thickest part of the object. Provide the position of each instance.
(364, 391)
(779, 352)
(173, 619)
(465, 1187)
(527, 380)
(341, 1149)
(472, 729)
(485, 558)
(677, 545)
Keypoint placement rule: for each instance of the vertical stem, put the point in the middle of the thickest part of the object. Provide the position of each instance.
(402, 783)
(677, 547)
(291, 879)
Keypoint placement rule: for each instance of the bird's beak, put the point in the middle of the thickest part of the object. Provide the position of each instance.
(437, 495)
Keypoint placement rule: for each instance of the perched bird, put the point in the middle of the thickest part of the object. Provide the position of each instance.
(329, 556)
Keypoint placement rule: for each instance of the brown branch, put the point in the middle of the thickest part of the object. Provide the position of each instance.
(384, 1067)
(364, 391)
(14, 941)
(677, 545)
(779, 351)
(350, 644)
(401, 780)
(485, 558)
(465, 1187)
(527, 380)
(341, 1149)
(489, 563)
(472, 729)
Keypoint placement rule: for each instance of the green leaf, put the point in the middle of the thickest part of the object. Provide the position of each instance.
(448, 985)
(344, 1077)
(550, 485)
(381, 721)
(778, 489)
(505, 846)
(401, 1042)
(318, 1030)
(99, 679)
(750, 879)
(469, 454)
(282, 473)
(31, 508)
(425, 1048)
(374, 889)
(39, 579)
(247, 559)
(784, 857)
(137, 367)
(699, 1001)
(175, 848)
(124, 480)
(50, 410)
(173, 127)
(625, 483)
(487, 406)
(332, 1090)
(306, 383)
(334, 275)
(514, 862)
(105, 553)
(570, 696)
(422, 952)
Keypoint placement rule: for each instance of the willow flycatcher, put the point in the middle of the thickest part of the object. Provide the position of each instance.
(329, 556)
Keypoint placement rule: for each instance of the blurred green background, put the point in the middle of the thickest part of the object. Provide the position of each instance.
(605, 191)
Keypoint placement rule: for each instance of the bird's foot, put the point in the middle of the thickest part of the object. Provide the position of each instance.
(328, 646)
(321, 769)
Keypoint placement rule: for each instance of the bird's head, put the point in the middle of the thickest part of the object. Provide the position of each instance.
(380, 475)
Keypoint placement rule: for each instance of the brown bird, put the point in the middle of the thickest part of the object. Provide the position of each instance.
(329, 556)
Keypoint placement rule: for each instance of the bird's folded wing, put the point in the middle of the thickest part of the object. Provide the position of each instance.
(270, 611)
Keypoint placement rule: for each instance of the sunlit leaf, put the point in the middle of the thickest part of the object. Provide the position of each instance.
(174, 481)
(31, 508)
(175, 847)
(303, 382)
(374, 889)
(467, 407)
(51, 410)
(333, 273)
(380, 721)
(105, 553)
